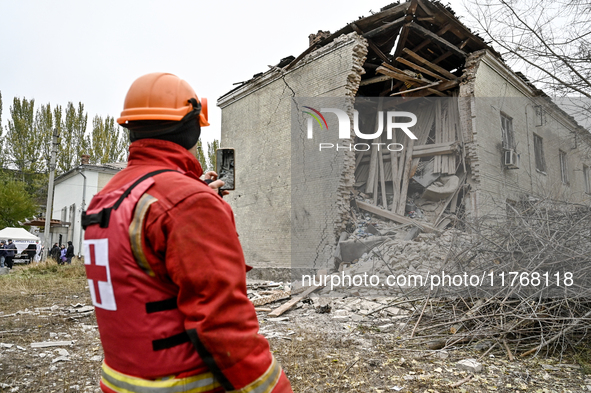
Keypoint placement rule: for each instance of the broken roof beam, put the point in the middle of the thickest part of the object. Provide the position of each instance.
(379, 17)
(402, 40)
(429, 64)
(373, 46)
(437, 39)
(375, 79)
(387, 27)
(393, 216)
(436, 149)
(415, 89)
(398, 74)
(426, 42)
(420, 69)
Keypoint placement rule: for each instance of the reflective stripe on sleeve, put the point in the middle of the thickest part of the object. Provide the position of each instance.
(266, 382)
(123, 383)
(135, 232)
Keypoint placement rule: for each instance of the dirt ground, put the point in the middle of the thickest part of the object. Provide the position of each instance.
(320, 352)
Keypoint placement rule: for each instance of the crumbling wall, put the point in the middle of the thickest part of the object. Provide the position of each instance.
(256, 120)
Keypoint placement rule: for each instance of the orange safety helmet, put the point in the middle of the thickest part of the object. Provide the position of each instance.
(161, 96)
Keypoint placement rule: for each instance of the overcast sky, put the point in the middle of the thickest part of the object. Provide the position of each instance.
(64, 50)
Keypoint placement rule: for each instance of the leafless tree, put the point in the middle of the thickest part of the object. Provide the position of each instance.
(548, 40)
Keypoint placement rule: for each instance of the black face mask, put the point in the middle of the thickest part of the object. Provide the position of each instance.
(185, 132)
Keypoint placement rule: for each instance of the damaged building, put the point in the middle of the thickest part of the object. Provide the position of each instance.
(485, 137)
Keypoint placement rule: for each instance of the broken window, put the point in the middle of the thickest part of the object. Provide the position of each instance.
(539, 152)
(563, 167)
(587, 177)
(507, 129)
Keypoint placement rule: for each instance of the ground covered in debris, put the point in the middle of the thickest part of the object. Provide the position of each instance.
(49, 343)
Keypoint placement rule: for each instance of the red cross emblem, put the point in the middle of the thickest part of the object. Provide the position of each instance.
(96, 262)
(96, 273)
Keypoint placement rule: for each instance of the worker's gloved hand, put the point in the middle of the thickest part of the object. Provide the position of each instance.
(211, 178)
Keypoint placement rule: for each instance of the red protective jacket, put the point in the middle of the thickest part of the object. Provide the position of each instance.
(188, 238)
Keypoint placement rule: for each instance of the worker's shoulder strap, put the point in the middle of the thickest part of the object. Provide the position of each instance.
(103, 217)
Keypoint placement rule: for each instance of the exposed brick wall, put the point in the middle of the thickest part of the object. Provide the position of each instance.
(256, 121)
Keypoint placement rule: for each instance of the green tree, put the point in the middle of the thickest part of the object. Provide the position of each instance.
(23, 145)
(211, 153)
(72, 141)
(44, 131)
(201, 156)
(107, 142)
(16, 203)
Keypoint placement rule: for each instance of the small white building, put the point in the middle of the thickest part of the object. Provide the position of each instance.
(73, 192)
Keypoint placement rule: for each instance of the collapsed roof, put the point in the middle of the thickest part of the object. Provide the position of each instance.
(419, 44)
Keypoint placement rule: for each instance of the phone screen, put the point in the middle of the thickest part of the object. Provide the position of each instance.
(225, 167)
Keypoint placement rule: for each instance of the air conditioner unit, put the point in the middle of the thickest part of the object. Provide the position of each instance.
(512, 159)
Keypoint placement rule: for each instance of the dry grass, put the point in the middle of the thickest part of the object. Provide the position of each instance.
(26, 285)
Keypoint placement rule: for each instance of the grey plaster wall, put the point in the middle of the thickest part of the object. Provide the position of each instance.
(256, 121)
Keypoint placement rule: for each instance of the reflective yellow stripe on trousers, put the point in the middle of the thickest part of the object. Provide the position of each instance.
(123, 383)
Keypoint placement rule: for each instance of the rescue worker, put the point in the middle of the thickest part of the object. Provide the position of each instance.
(166, 270)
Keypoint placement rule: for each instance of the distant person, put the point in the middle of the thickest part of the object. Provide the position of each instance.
(10, 251)
(2, 252)
(31, 252)
(40, 249)
(55, 252)
(70, 253)
(63, 258)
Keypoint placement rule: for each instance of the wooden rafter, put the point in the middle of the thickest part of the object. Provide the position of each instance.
(373, 46)
(387, 27)
(436, 38)
(400, 75)
(419, 68)
(429, 64)
(415, 89)
(426, 42)
(375, 79)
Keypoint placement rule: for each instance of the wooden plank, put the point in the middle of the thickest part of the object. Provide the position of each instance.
(463, 44)
(430, 146)
(425, 9)
(295, 300)
(384, 28)
(426, 42)
(382, 179)
(427, 63)
(395, 179)
(416, 89)
(373, 46)
(405, 178)
(375, 79)
(426, 19)
(359, 158)
(271, 298)
(373, 167)
(437, 39)
(401, 40)
(447, 85)
(449, 150)
(394, 217)
(401, 76)
(436, 92)
(420, 69)
(444, 137)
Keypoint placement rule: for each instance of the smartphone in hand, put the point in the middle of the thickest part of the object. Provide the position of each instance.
(224, 166)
